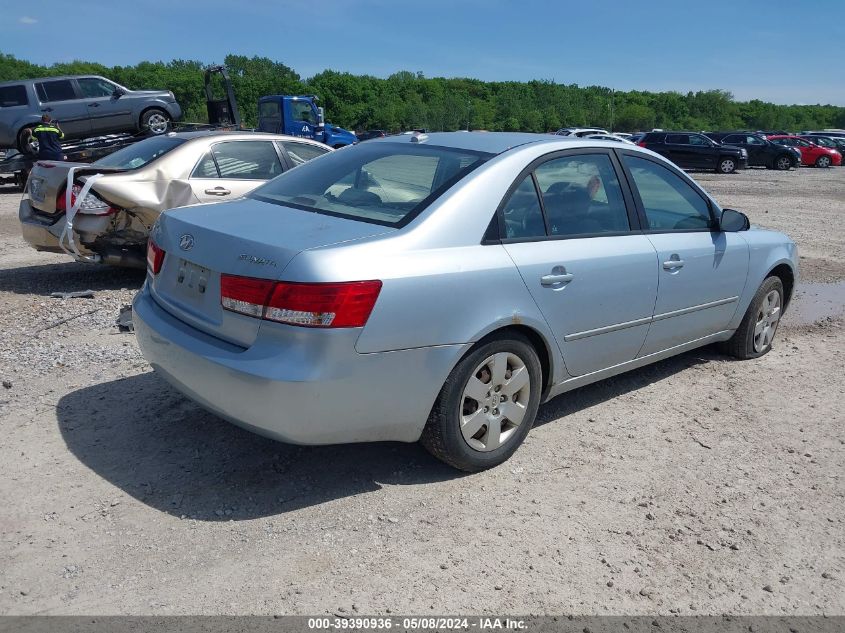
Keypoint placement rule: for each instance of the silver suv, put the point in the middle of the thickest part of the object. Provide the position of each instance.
(84, 105)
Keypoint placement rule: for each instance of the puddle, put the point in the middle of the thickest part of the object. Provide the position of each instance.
(814, 302)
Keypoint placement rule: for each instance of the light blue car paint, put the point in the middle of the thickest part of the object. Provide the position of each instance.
(444, 288)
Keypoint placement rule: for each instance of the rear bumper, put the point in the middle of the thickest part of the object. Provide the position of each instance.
(44, 236)
(298, 385)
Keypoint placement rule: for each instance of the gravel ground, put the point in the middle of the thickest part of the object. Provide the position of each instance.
(699, 485)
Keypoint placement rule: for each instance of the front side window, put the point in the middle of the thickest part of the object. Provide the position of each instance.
(93, 88)
(754, 140)
(302, 111)
(247, 160)
(701, 141)
(13, 96)
(522, 213)
(582, 195)
(384, 183)
(800, 143)
(302, 152)
(140, 153)
(59, 90)
(669, 202)
(678, 139)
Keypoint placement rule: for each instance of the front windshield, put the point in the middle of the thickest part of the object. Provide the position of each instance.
(141, 153)
(383, 183)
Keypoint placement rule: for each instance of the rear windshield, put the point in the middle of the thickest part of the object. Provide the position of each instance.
(140, 153)
(382, 183)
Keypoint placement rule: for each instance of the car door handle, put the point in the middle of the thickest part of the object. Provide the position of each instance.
(218, 191)
(557, 276)
(93, 105)
(46, 109)
(673, 264)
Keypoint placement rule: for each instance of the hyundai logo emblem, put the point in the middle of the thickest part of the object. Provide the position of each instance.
(186, 242)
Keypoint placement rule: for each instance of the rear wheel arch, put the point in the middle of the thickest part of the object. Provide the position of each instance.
(537, 341)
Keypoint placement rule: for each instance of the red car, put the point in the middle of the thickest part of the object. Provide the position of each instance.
(811, 154)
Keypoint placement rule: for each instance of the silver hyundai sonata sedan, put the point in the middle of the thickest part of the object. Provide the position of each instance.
(439, 287)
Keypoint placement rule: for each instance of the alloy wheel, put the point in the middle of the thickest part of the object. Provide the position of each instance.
(157, 123)
(494, 401)
(823, 161)
(727, 166)
(783, 163)
(767, 321)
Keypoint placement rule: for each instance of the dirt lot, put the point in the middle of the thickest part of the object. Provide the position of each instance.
(697, 485)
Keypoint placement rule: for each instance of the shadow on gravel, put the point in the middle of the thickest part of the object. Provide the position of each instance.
(146, 439)
(607, 389)
(68, 277)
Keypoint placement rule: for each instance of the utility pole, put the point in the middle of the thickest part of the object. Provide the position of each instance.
(612, 95)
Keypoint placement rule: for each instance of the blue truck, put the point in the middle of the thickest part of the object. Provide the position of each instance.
(300, 116)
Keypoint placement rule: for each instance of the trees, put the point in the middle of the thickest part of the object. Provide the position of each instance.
(410, 100)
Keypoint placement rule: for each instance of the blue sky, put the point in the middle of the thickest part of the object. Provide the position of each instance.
(785, 51)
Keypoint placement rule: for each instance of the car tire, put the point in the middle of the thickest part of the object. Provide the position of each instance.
(783, 163)
(755, 333)
(456, 413)
(26, 143)
(726, 166)
(155, 121)
(823, 162)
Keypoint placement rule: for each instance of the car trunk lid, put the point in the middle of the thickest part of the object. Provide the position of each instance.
(246, 237)
(48, 182)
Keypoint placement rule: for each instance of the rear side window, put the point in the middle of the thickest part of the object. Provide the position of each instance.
(382, 183)
(582, 195)
(247, 160)
(13, 96)
(678, 139)
(206, 168)
(302, 152)
(59, 90)
(669, 202)
(522, 213)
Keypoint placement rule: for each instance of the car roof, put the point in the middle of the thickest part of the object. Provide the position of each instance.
(240, 135)
(15, 82)
(488, 142)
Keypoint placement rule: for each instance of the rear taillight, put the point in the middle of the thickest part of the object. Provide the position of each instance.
(245, 294)
(328, 305)
(641, 143)
(155, 257)
(91, 204)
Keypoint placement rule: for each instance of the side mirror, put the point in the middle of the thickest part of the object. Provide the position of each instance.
(118, 93)
(733, 221)
(321, 117)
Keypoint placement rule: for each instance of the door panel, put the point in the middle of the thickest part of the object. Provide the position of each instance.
(107, 112)
(597, 295)
(701, 271)
(234, 168)
(58, 98)
(702, 276)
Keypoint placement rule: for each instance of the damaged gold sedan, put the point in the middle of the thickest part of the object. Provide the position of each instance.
(103, 212)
